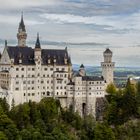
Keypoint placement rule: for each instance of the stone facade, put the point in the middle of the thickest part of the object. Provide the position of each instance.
(34, 73)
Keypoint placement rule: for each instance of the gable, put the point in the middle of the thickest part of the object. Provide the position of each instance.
(5, 59)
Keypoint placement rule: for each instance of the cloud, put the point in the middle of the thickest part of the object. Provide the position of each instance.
(5, 19)
(17, 4)
(113, 24)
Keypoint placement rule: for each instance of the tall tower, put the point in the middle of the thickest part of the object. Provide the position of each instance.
(21, 35)
(82, 71)
(108, 66)
(37, 57)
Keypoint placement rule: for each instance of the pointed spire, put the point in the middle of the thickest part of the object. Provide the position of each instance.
(5, 43)
(82, 66)
(21, 24)
(37, 45)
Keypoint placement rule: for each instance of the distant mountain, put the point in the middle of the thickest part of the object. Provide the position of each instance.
(119, 71)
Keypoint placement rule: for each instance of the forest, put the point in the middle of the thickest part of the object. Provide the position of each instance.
(46, 120)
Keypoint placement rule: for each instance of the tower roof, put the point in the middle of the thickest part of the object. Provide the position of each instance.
(37, 45)
(107, 51)
(82, 66)
(21, 24)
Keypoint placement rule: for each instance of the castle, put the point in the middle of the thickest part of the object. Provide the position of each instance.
(33, 73)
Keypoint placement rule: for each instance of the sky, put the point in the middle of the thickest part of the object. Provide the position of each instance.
(86, 27)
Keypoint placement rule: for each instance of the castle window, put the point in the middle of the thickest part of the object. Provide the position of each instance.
(44, 75)
(48, 93)
(28, 94)
(32, 88)
(42, 82)
(24, 94)
(32, 82)
(22, 76)
(89, 93)
(22, 69)
(63, 69)
(28, 88)
(17, 69)
(33, 69)
(33, 76)
(43, 93)
(51, 69)
(57, 93)
(17, 82)
(45, 69)
(57, 69)
(43, 87)
(65, 75)
(17, 88)
(29, 69)
(48, 82)
(33, 94)
(65, 93)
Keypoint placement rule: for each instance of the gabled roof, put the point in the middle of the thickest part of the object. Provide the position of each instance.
(26, 54)
(59, 55)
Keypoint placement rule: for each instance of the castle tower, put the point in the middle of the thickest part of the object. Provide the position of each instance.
(108, 66)
(82, 71)
(21, 35)
(37, 56)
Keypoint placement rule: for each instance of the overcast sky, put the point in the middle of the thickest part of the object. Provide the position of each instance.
(106, 23)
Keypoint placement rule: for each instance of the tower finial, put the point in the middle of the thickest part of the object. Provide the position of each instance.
(37, 45)
(21, 24)
(5, 43)
(22, 15)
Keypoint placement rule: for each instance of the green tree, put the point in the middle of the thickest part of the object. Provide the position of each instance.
(111, 89)
(103, 132)
(8, 127)
(4, 105)
(3, 136)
